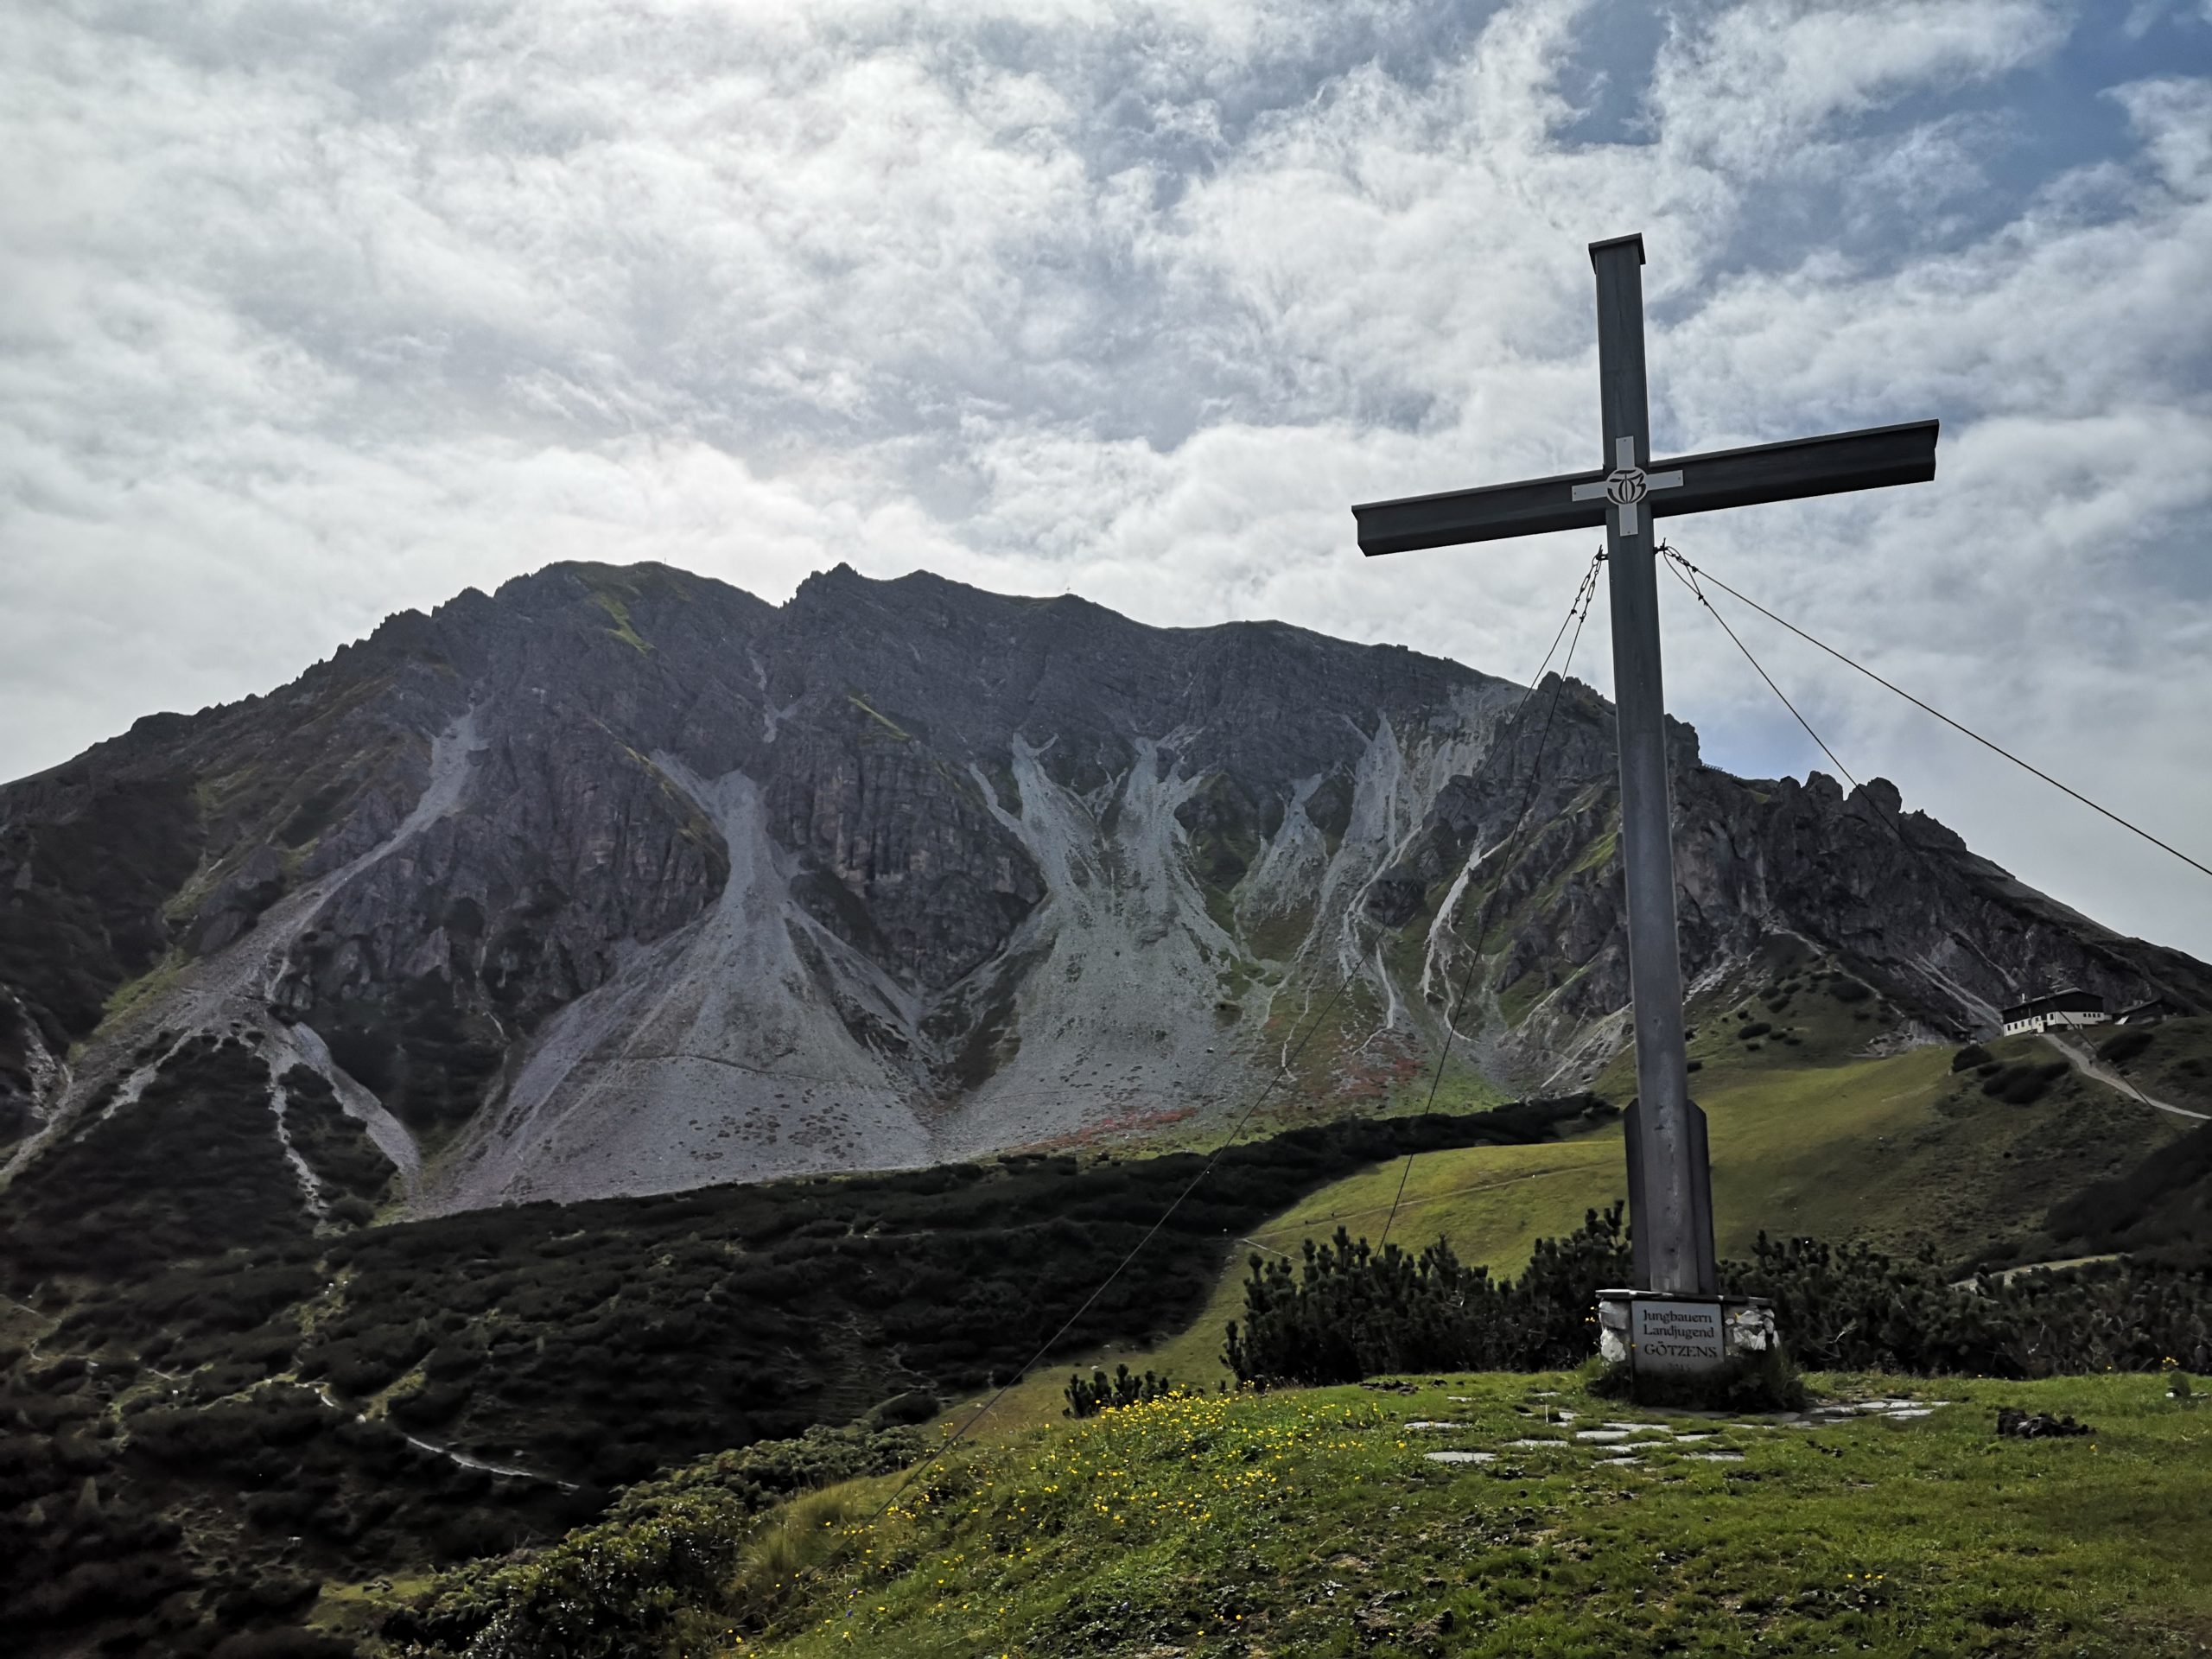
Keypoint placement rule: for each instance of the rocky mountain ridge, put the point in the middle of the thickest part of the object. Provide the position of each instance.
(621, 880)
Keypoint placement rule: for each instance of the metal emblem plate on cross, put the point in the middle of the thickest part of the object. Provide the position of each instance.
(1669, 1176)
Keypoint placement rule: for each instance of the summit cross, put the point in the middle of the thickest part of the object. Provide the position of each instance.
(1669, 1178)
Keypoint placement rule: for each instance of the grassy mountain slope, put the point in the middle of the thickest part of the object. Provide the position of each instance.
(1899, 1151)
(1314, 1522)
(2164, 1204)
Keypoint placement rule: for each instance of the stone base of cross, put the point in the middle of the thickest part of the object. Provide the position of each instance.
(1657, 1336)
(1670, 1183)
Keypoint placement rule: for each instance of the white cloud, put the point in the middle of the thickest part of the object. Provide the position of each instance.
(1769, 80)
(309, 314)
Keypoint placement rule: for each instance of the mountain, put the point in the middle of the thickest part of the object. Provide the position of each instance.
(622, 881)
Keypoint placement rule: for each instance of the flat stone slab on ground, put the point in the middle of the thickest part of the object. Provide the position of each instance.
(1849, 1411)
(1618, 1443)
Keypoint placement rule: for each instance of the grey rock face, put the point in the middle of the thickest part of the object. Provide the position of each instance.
(906, 861)
(620, 880)
(1947, 937)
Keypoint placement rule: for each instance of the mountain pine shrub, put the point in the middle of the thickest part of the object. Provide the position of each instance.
(1103, 1393)
(1348, 1311)
(2024, 1082)
(2125, 1045)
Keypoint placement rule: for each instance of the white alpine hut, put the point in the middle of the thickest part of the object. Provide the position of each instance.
(2058, 1009)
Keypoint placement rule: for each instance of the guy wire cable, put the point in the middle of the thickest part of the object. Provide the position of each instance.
(1956, 726)
(1492, 1184)
(1895, 820)
(1174, 1204)
(1686, 574)
(1586, 593)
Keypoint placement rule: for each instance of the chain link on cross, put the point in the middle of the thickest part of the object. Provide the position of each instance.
(1669, 1174)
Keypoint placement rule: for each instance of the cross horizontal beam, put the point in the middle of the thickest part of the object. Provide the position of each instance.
(1867, 460)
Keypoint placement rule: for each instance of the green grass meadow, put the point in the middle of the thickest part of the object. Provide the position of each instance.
(1313, 1522)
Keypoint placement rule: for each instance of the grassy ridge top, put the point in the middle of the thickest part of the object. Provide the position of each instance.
(1315, 1523)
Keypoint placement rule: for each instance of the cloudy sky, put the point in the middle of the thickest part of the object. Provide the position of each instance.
(311, 313)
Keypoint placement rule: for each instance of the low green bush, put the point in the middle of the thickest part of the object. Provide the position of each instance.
(665, 1547)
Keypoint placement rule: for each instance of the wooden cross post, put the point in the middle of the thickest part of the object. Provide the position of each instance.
(1670, 1181)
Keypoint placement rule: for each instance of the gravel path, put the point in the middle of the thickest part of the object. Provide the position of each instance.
(2088, 1066)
